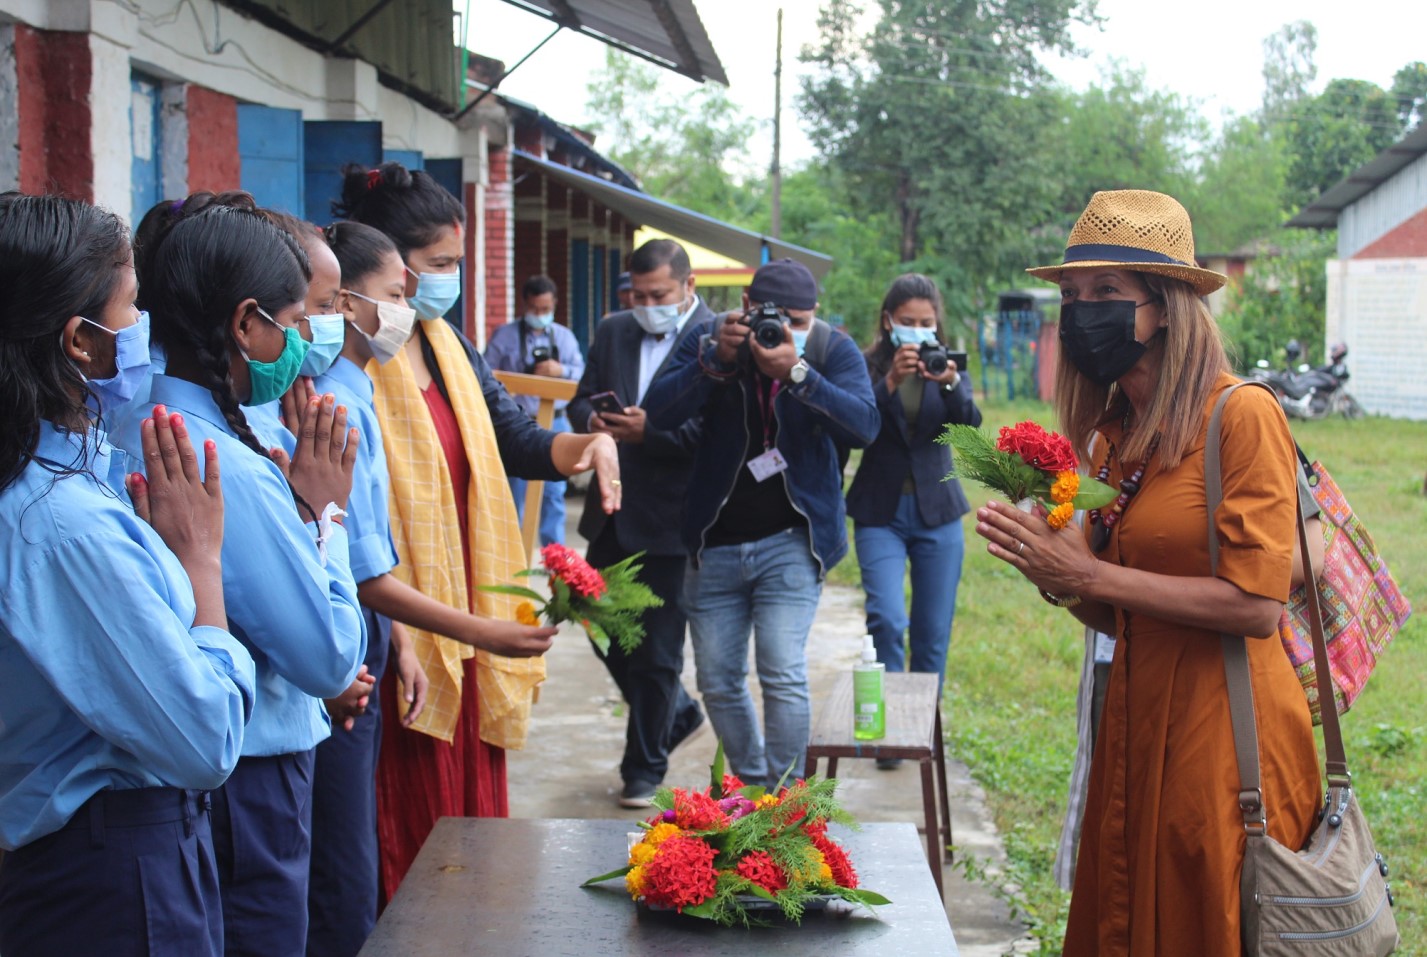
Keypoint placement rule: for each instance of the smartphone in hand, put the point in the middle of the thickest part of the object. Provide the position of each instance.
(606, 403)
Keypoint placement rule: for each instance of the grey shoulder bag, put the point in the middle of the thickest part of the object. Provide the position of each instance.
(1331, 897)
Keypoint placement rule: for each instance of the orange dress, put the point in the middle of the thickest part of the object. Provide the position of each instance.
(1163, 841)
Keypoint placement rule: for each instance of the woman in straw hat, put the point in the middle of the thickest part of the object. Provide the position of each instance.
(1142, 363)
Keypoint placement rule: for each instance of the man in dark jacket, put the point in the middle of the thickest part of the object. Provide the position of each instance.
(764, 520)
(628, 350)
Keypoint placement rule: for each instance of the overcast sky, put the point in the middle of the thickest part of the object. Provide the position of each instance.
(1211, 51)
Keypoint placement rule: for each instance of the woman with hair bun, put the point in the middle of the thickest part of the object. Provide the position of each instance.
(226, 289)
(453, 435)
(125, 697)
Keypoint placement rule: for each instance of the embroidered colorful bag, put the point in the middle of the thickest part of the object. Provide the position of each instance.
(1363, 609)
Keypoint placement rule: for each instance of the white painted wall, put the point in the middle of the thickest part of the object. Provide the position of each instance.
(9, 115)
(1379, 308)
(111, 129)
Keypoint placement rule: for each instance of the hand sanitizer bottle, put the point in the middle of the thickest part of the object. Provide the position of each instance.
(869, 705)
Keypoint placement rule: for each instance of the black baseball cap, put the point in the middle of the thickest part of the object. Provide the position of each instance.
(784, 282)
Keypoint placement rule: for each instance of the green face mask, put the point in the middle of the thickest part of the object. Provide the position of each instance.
(269, 380)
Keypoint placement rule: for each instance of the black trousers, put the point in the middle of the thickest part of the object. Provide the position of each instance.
(660, 710)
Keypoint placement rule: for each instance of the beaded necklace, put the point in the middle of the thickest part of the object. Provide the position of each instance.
(1104, 523)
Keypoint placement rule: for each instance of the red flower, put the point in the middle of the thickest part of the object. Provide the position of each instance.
(566, 565)
(696, 811)
(732, 784)
(1047, 451)
(681, 874)
(762, 870)
(843, 873)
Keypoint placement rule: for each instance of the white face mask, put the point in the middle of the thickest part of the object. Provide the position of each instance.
(659, 320)
(912, 335)
(394, 325)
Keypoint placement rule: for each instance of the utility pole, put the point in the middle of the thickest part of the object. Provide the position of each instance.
(776, 171)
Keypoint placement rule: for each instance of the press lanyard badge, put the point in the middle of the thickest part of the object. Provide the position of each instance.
(771, 462)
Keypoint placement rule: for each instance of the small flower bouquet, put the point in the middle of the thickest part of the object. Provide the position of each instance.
(1026, 463)
(608, 603)
(728, 850)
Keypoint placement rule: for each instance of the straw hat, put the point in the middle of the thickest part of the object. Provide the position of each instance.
(1137, 230)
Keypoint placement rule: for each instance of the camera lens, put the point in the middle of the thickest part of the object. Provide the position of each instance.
(768, 333)
(934, 357)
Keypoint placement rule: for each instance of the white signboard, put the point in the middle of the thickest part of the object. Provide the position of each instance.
(1379, 308)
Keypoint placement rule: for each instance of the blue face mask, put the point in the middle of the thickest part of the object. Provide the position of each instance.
(131, 360)
(800, 341)
(269, 380)
(328, 335)
(436, 293)
(539, 321)
(912, 335)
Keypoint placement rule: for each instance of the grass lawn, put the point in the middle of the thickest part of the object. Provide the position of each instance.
(1014, 666)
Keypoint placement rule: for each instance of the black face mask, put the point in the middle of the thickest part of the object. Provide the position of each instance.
(1099, 338)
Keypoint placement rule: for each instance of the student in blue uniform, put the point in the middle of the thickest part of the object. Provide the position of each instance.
(124, 695)
(226, 291)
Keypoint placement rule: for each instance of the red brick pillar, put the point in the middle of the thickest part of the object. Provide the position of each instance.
(213, 162)
(500, 241)
(53, 73)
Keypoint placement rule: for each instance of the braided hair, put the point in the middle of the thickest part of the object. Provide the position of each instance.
(204, 266)
(59, 258)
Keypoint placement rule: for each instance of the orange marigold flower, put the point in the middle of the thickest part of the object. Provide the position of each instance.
(525, 614)
(1061, 515)
(1065, 487)
(634, 882)
(660, 833)
(766, 800)
(642, 853)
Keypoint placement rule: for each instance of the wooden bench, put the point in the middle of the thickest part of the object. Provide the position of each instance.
(913, 734)
(548, 391)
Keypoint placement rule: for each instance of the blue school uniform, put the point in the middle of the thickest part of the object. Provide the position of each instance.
(117, 712)
(302, 622)
(342, 894)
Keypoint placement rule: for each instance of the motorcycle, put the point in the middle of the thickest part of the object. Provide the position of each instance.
(1308, 393)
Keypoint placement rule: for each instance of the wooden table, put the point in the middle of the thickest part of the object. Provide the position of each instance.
(913, 733)
(512, 887)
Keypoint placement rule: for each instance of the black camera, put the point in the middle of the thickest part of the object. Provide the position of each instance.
(539, 354)
(766, 322)
(934, 357)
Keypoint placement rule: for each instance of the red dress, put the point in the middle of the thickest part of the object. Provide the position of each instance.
(421, 778)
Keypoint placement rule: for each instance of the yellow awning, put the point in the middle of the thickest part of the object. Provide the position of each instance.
(710, 268)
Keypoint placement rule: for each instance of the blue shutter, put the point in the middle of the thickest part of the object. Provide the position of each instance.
(447, 172)
(146, 177)
(615, 268)
(270, 151)
(411, 159)
(581, 320)
(327, 146)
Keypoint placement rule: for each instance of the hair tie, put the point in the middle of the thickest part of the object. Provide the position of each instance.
(374, 176)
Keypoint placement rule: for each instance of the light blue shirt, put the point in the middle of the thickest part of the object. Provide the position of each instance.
(503, 352)
(107, 683)
(368, 522)
(266, 423)
(300, 620)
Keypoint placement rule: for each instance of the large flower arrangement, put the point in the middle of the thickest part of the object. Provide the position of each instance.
(608, 603)
(716, 853)
(1025, 462)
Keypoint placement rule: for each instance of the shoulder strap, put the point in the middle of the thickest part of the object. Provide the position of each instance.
(1236, 660)
(819, 341)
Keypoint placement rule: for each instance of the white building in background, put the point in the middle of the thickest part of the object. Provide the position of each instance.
(1377, 287)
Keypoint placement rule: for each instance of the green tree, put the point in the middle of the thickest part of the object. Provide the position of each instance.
(1409, 90)
(689, 150)
(1288, 67)
(1281, 297)
(1239, 194)
(1334, 133)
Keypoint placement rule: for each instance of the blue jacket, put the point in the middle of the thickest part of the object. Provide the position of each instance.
(905, 449)
(832, 406)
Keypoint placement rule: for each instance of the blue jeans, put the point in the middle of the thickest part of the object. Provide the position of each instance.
(771, 587)
(935, 553)
(552, 499)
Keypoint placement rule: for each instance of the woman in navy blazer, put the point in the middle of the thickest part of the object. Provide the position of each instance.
(900, 507)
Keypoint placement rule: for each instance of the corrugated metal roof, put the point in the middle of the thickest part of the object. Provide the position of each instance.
(669, 32)
(1323, 212)
(643, 209)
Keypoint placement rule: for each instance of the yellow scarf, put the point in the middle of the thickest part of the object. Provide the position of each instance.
(426, 530)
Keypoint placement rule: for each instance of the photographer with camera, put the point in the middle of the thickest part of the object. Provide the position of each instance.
(901, 509)
(778, 390)
(538, 345)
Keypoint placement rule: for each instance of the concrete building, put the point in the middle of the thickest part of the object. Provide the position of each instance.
(128, 102)
(1377, 286)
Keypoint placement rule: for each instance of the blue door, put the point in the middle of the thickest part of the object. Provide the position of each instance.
(327, 146)
(447, 172)
(270, 150)
(146, 179)
(411, 159)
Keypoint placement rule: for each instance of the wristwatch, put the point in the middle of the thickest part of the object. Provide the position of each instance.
(799, 372)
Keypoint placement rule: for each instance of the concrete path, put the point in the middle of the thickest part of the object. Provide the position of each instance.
(570, 767)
